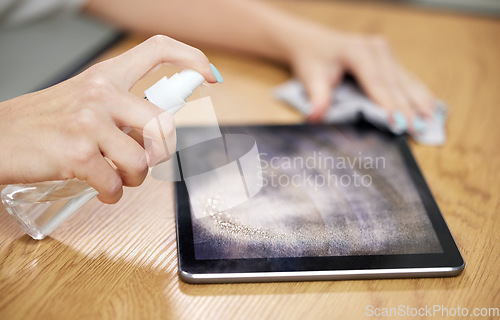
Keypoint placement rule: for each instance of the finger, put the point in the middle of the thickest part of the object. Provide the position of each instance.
(126, 154)
(374, 68)
(128, 110)
(319, 86)
(422, 100)
(362, 63)
(398, 90)
(99, 174)
(134, 134)
(132, 65)
(159, 138)
(319, 93)
(157, 127)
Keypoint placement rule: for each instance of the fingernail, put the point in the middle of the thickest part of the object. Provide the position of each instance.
(400, 120)
(418, 124)
(439, 116)
(217, 74)
(313, 118)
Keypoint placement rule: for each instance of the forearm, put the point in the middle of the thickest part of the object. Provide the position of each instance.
(242, 25)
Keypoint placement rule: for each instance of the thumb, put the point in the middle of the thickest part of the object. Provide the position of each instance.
(319, 88)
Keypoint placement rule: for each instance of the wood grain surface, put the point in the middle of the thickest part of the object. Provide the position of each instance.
(119, 261)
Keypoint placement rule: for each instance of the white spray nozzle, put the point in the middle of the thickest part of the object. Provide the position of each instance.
(170, 94)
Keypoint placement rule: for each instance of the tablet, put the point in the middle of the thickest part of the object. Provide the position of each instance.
(335, 202)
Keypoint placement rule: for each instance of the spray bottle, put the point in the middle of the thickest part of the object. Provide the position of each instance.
(41, 207)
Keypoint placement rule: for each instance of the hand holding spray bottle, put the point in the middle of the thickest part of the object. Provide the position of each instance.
(41, 207)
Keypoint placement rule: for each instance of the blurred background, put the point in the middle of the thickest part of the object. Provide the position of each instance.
(43, 50)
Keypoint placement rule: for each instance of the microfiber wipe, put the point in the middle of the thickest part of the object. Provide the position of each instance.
(349, 104)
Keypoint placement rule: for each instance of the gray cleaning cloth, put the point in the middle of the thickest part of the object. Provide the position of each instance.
(349, 103)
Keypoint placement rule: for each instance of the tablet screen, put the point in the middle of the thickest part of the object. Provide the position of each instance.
(327, 191)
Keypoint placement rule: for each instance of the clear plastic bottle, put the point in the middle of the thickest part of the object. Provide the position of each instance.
(41, 207)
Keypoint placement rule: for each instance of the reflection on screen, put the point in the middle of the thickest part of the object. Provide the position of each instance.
(327, 192)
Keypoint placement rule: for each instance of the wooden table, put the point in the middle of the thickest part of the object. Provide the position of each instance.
(120, 261)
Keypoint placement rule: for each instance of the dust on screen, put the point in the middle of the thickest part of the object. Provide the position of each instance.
(327, 192)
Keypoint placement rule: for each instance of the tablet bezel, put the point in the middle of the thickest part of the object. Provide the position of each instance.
(447, 263)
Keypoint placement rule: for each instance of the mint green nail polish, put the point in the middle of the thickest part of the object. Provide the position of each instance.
(418, 124)
(439, 117)
(400, 120)
(217, 74)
